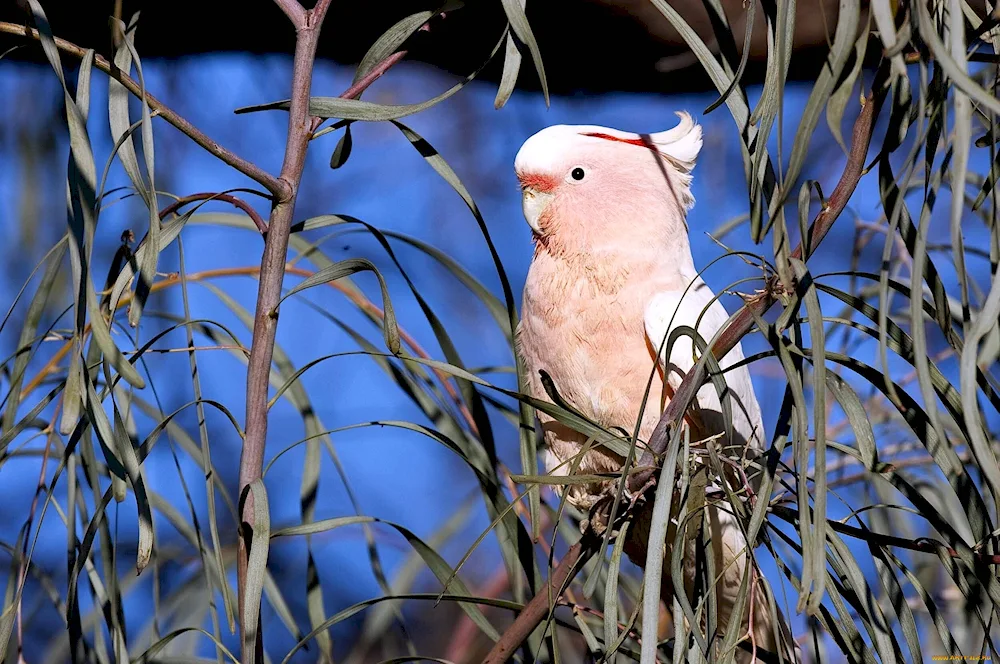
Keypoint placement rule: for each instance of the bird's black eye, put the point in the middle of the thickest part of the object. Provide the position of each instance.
(577, 173)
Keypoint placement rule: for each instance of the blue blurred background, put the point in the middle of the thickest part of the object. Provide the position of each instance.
(398, 476)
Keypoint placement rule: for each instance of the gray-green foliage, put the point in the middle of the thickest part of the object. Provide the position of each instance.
(910, 456)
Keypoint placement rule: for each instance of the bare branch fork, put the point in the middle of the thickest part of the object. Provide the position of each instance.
(643, 482)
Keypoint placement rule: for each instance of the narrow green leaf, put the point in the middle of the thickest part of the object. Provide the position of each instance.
(434, 561)
(29, 328)
(528, 448)
(588, 634)
(519, 24)
(653, 571)
(125, 467)
(391, 40)
(844, 92)
(73, 395)
(564, 480)
(951, 67)
(511, 67)
(168, 234)
(260, 542)
(355, 109)
(355, 609)
(757, 163)
(343, 149)
(82, 184)
(857, 416)
(378, 620)
(206, 451)
(493, 304)
(814, 558)
(747, 39)
(149, 656)
(844, 36)
(883, 16)
(118, 109)
(345, 268)
(278, 604)
(611, 589)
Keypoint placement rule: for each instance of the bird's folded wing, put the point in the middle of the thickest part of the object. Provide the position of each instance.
(669, 310)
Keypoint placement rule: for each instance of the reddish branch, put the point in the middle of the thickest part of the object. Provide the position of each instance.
(644, 481)
(381, 68)
(464, 636)
(376, 73)
(307, 29)
(225, 198)
(373, 75)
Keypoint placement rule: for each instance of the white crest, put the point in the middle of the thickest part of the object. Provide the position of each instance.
(681, 143)
(680, 146)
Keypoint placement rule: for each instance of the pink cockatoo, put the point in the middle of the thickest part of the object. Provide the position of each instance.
(612, 275)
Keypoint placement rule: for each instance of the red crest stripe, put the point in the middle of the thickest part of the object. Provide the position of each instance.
(631, 141)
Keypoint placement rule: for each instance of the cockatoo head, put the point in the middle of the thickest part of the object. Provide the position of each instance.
(586, 187)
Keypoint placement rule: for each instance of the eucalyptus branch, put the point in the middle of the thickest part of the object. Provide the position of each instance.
(300, 125)
(643, 482)
(294, 10)
(274, 185)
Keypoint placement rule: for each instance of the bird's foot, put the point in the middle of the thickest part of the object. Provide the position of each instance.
(639, 496)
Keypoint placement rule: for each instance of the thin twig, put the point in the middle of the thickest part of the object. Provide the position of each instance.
(225, 198)
(922, 545)
(463, 637)
(465, 634)
(172, 208)
(365, 81)
(743, 321)
(373, 75)
(274, 185)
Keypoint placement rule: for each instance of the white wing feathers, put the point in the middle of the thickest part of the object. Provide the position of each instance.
(669, 310)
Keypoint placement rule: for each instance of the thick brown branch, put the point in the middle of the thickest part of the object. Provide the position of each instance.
(252, 171)
(269, 291)
(540, 605)
(536, 610)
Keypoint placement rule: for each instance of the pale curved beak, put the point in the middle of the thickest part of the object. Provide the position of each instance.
(534, 202)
